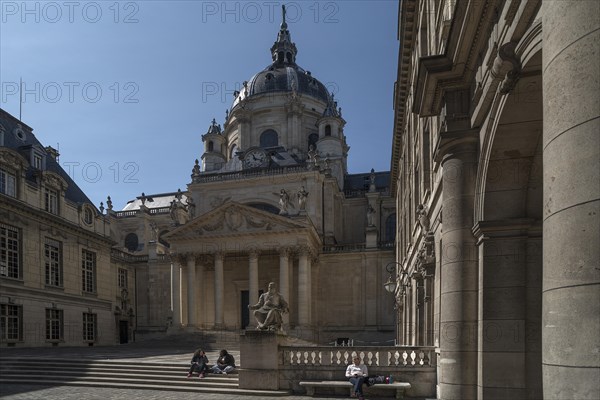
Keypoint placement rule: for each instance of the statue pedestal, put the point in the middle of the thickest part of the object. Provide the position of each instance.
(371, 239)
(259, 357)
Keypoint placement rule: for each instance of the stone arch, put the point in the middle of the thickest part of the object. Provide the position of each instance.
(508, 216)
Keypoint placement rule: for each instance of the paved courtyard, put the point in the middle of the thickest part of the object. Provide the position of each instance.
(39, 392)
(155, 351)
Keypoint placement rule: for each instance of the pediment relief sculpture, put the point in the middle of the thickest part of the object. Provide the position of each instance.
(236, 218)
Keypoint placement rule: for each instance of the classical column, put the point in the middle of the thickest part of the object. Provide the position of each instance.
(459, 282)
(201, 309)
(304, 289)
(191, 291)
(252, 282)
(414, 311)
(176, 292)
(219, 290)
(571, 143)
(284, 272)
(284, 279)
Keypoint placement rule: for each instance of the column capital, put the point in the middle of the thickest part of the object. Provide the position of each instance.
(451, 143)
(285, 252)
(506, 228)
(253, 253)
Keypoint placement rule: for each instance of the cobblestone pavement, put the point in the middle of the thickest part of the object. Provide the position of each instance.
(39, 392)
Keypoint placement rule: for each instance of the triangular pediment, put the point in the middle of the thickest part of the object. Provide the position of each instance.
(235, 219)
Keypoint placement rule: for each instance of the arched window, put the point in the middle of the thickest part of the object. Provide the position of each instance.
(327, 130)
(390, 228)
(312, 140)
(232, 152)
(211, 146)
(131, 242)
(88, 217)
(269, 139)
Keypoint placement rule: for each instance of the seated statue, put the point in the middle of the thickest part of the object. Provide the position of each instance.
(271, 305)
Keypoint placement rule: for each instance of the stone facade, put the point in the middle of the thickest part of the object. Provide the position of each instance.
(269, 200)
(57, 283)
(495, 174)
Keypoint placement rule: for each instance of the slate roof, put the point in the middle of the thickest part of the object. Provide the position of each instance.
(9, 124)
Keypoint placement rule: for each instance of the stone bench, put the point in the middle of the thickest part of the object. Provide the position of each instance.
(310, 386)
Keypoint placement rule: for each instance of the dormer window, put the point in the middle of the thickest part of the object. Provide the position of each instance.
(88, 216)
(37, 161)
(211, 146)
(327, 130)
(8, 183)
(51, 200)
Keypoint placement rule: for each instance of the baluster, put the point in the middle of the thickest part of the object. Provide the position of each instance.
(421, 357)
(413, 356)
(372, 358)
(286, 357)
(404, 357)
(318, 358)
(295, 357)
(335, 359)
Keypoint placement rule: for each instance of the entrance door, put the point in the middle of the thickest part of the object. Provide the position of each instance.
(245, 296)
(123, 332)
(245, 299)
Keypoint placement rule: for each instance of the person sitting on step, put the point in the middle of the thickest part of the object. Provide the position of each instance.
(225, 364)
(199, 364)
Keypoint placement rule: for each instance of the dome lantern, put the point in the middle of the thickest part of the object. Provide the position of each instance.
(284, 50)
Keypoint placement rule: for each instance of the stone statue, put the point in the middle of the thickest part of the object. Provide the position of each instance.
(423, 218)
(371, 216)
(372, 186)
(312, 157)
(302, 195)
(191, 207)
(109, 203)
(143, 198)
(269, 309)
(153, 231)
(284, 202)
(173, 212)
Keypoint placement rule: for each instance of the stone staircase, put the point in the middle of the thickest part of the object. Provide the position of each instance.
(119, 374)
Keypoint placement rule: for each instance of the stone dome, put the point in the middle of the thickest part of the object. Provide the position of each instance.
(283, 78)
(283, 75)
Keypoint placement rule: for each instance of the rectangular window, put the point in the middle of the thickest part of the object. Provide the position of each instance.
(88, 271)
(122, 278)
(37, 161)
(54, 324)
(10, 243)
(51, 201)
(11, 322)
(89, 327)
(53, 260)
(8, 183)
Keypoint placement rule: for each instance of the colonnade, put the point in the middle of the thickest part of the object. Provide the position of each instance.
(194, 265)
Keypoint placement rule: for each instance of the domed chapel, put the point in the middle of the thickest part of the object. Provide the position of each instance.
(269, 200)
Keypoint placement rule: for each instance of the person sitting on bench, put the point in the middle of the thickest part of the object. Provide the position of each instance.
(358, 374)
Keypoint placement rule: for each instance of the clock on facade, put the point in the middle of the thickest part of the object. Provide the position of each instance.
(255, 158)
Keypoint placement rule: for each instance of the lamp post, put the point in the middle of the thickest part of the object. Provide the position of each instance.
(392, 284)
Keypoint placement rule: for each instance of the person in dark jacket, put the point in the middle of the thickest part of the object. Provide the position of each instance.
(225, 364)
(199, 364)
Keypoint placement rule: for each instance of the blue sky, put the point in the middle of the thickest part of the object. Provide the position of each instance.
(126, 88)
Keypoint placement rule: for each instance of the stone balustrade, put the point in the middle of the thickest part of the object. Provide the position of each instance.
(397, 356)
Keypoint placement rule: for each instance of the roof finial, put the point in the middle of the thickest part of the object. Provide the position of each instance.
(283, 24)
